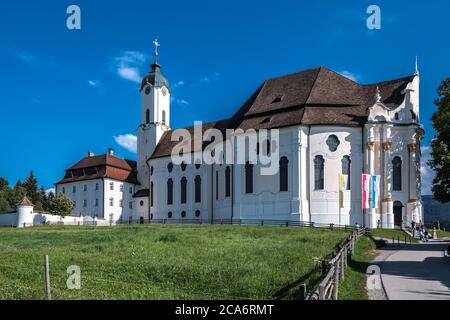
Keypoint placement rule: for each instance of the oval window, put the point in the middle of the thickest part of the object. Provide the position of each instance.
(333, 143)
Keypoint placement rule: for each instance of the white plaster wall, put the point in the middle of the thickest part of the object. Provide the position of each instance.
(324, 204)
(80, 195)
(8, 219)
(118, 211)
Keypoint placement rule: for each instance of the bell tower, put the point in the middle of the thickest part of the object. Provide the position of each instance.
(155, 116)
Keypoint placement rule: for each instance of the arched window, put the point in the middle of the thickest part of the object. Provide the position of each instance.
(197, 213)
(319, 173)
(170, 167)
(284, 174)
(248, 177)
(227, 182)
(163, 117)
(183, 166)
(397, 174)
(346, 163)
(147, 116)
(183, 189)
(396, 116)
(151, 194)
(169, 191)
(413, 115)
(198, 189)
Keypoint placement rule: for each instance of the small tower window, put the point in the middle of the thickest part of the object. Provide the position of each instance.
(147, 116)
(163, 117)
(413, 115)
(277, 99)
(396, 116)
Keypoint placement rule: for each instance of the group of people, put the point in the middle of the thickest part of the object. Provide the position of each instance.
(421, 231)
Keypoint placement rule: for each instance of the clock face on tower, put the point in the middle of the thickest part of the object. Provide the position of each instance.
(147, 90)
(164, 91)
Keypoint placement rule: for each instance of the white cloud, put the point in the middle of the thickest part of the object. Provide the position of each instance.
(182, 102)
(127, 65)
(426, 172)
(209, 78)
(178, 84)
(94, 83)
(26, 57)
(350, 75)
(127, 141)
(50, 190)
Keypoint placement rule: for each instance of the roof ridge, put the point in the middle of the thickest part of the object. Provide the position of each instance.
(388, 81)
(313, 84)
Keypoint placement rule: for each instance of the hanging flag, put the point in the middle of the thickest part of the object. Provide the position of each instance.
(343, 181)
(375, 191)
(365, 191)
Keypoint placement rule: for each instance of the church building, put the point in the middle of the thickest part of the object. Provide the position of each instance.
(328, 126)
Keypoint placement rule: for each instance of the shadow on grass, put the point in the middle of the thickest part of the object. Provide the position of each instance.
(288, 291)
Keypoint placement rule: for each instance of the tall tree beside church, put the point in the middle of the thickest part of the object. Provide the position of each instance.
(31, 186)
(440, 161)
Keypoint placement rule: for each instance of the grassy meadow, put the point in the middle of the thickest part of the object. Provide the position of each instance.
(164, 262)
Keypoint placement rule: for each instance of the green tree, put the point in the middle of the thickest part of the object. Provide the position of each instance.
(440, 145)
(61, 206)
(31, 186)
(3, 183)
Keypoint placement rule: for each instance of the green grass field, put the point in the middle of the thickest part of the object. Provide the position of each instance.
(164, 262)
(392, 233)
(354, 285)
(443, 234)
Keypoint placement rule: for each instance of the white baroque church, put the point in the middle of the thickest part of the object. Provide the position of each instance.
(328, 125)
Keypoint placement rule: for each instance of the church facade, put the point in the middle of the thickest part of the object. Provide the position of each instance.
(327, 126)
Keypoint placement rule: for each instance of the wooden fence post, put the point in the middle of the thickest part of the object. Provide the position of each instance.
(336, 281)
(342, 261)
(47, 278)
(302, 292)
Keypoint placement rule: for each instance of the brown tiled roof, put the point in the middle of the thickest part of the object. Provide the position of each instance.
(25, 202)
(102, 166)
(316, 96)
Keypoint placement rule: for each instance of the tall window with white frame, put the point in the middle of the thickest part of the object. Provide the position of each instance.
(397, 174)
(169, 191)
(248, 177)
(198, 189)
(319, 168)
(151, 194)
(346, 166)
(284, 174)
(227, 181)
(183, 190)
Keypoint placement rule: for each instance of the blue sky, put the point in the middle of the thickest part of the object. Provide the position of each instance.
(66, 92)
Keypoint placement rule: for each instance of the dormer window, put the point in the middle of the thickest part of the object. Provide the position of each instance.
(277, 99)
